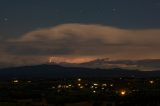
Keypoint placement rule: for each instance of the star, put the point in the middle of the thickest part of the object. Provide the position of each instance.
(114, 9)
(5, 19)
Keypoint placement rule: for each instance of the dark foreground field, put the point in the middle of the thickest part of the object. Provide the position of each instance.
(80, 92)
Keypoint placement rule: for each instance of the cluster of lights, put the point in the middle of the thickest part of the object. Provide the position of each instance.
(79, 84)
(94, 86)
(64, 86)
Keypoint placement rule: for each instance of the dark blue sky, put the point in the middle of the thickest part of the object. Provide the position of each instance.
(31, 31)
(21, 16)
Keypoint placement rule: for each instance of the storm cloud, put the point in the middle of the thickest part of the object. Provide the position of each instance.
(86, 40)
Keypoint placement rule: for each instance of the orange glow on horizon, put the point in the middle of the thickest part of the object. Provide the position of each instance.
(53, 59)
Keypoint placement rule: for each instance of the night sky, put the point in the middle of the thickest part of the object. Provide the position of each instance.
(82, 29)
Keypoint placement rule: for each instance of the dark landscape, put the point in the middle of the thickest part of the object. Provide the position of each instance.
(55, 85)
(57, 71)
(79, 52)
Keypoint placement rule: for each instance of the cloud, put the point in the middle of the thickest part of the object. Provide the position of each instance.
(86, 40)
(81, 33)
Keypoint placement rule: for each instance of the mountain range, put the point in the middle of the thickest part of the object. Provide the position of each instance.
(105, 63)
(56, 71)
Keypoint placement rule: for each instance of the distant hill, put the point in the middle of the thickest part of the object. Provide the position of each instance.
(105, 63)
(56, 71)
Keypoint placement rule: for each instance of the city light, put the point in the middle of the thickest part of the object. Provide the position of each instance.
(81, 87)
(59, 86)
(79, 79)
(66, 86)
(111, 85)
(15, 81)
(94, 91)
(70, 85)
(123, 92)
(95, 84)
(92, 87)
(104, 85)
(151, 82)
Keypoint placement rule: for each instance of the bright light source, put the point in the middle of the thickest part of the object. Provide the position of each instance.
(79, 84)
(151, 82)
(79, 79)
(123, 92)
(15, 81)
(70, 85)
(111, 85)
(95, 84)
(94, 91)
